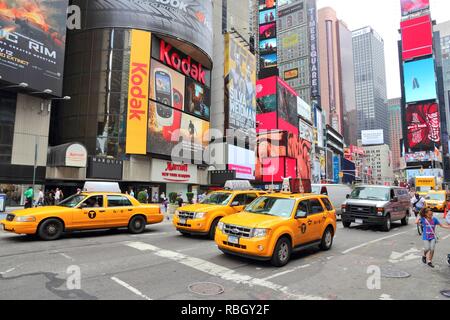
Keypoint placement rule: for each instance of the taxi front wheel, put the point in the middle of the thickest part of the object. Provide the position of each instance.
(282, 252)
(50, 229)
(137, 225)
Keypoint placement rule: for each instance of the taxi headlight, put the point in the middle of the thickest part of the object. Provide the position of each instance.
(220, 226)
(199, 215)
(259, 233)
(26, 219)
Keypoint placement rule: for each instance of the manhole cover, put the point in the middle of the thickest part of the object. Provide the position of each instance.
(394, 273)
(206, 288)
(446, 293)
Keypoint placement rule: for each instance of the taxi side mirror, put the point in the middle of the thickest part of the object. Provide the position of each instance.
(83, 206)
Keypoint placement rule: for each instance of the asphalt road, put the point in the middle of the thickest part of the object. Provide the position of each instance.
(161, 264)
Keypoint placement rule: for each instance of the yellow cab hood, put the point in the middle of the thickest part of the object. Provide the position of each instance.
(252, 220)
(198, 207)
(41, 210)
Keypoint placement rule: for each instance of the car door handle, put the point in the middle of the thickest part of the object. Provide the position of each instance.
(130, 209)
(102, 211)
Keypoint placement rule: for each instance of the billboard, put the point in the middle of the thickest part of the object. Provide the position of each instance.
(268, 46)
(33, 40)
(240, 91)
(306, 131)
(424, 126)
(372, 137)
(188, 20)
(167, 85)
(287, 107)
(267, 16)
(267, 4)
(314, 49)
(417, 37)
(268, 31)
(419, 80)
(242, 161)
(198, 99)
(269, 60)
(168, 127)
(138, 89)
(411, 6)
(304, 109)
(422, 156)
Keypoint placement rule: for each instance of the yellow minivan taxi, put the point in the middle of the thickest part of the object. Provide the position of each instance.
(275, 225)
(202, 218)
(85, 211)
(437, 200)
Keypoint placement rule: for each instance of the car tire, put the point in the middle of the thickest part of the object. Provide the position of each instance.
(346, 224)
(387, 224)
(405, 220)
(137, 225)
(212, 229)
(281, 253)
(50, 229)
(327, 239)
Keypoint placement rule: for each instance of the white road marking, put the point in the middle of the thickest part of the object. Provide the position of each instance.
(446, 237)
(385, 296)
(286, 272)
(217, 270)
(66, 256)
(149, 234)
(372, 242)
(7, 271)
(127, 286)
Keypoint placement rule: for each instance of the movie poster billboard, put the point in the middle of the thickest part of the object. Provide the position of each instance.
(33, 40)
(240, 90)
(424, 126)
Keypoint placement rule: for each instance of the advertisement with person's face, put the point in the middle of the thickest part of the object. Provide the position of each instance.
(300, 149)
(268, 31)
(420, 80)
(424, 126)
(33, 35)
(287, 104)
(267, 16)
(167, 86)
(240, 85)
(198, 99)
(411, 6)
(267, 4)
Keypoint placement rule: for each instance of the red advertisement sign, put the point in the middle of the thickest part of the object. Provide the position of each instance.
(417, 37)
(424, 126)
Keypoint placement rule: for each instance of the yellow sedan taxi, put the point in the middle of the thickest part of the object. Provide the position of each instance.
(85, 211)
(275, 225)
(436, 200)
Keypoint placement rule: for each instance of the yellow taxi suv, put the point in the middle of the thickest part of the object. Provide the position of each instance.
(275, 225)
(202, 218)
(85, 211)
(436, 200)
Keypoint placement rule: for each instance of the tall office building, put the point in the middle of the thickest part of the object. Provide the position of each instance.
(370, 81)
(395, 122)
(337, 84)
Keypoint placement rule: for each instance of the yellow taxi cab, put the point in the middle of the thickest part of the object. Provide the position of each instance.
(202, 218)
(275, 225)
(437, 200)
(84, 211)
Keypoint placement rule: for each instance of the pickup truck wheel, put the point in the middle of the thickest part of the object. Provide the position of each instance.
(50, 229)
(405, 220)
(282, 252)
(137, 225)
(327, 239)
(212, 230)
(346, 224)
(387, 224)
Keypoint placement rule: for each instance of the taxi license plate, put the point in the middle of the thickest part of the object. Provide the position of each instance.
(183, 221)
(359, 221)
(233, 240)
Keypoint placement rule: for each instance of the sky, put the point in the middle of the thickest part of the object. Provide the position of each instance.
(384, 16)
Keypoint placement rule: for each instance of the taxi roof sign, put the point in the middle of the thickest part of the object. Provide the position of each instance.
(238, 185)
(101, 186)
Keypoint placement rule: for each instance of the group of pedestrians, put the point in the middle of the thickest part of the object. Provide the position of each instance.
(425, 218)
(50, 198)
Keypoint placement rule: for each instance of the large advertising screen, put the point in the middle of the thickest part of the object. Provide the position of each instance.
(268, 46)
(167, 86)
(240, 90)
(268, 31)
(267, 16)
(424, 126)
(420, 80)
(267, 4)
(242, 161)
(189, 20)
(372, 137)
(169, 128)
(33, 40)
(417, 37)
(287, 107)
(300, 149)
(411, 6)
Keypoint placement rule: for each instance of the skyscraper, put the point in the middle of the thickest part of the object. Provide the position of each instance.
(395, 121)
(370, 81)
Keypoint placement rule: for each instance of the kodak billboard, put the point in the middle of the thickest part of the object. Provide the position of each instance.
(138, 90)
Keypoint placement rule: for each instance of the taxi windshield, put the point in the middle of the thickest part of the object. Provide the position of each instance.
(72, 201)
(217, 198)
(436, 196)
(278, 207)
